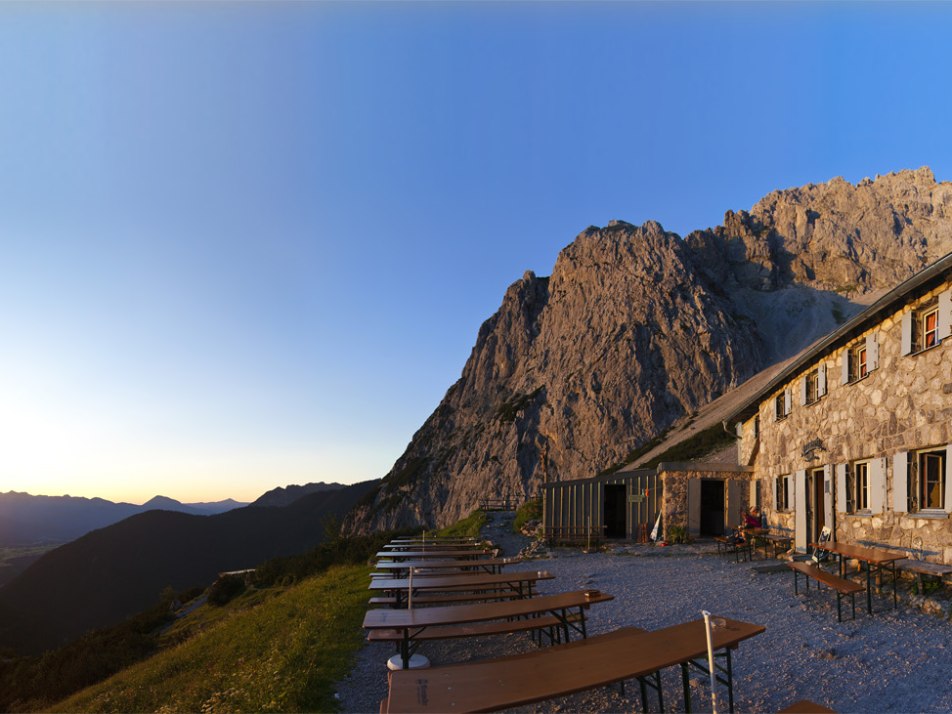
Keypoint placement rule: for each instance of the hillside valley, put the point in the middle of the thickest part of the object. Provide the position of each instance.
(121, 569)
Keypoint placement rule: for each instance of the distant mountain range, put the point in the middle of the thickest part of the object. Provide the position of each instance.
(286, 495)
(121, 569)
(27, 520)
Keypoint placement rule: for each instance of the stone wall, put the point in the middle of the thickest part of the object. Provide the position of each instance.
(903, 405)
(675, 486)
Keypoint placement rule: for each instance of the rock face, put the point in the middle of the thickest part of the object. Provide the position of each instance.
(637, 328)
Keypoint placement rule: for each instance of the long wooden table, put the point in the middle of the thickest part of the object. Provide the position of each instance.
(521, 582)
(568, 608)
(490, 685)
(458, 553)
(486, 565)
(870, 557)
(398, 547)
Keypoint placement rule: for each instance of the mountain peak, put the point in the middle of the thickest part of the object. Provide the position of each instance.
(162, 502)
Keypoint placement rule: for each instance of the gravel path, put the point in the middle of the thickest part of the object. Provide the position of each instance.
(895, 661)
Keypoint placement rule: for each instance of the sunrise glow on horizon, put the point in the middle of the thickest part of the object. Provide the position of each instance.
(246, 245)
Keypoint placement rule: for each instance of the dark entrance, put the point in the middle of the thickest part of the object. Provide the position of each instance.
(615, 506)
(712, 507)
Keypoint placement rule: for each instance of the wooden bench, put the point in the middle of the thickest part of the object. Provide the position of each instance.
(842, 586)
(447, 598)
(923, 567)
(726, 546)
(779, 543)
(547, 625)
(517, 680)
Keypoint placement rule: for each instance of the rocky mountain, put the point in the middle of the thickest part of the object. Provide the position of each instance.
(637, 328)
(29, 520)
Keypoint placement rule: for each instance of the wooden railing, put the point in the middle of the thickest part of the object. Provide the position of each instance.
(573, 535)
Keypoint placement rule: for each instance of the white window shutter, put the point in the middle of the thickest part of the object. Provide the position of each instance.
(877, 485)
(948, 478)
(945, 313)
(787, 400)
(821, 380)
(900, 478)
(872, 351)
(845, 374)
(905, 342)
(841, 488)
(828, 510)
(803, 391)
(800, 508)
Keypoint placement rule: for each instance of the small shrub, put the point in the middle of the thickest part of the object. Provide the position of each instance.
(678, 534)
(529, 511)
(226, 589)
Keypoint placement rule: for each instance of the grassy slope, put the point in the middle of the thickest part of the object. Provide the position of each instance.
(261, 652)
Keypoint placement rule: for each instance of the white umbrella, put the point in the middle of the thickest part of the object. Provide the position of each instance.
(710, 658)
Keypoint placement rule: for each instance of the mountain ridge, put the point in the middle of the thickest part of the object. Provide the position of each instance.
(637, 328)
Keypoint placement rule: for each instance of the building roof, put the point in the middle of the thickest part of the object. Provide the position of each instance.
(921, 282)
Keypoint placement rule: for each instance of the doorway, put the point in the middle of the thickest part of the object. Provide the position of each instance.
(816, 505)
(616, 504)
(712, 507)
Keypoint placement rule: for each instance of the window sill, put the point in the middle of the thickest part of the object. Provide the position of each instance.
(860, 514)
(926, 349)
(860, 379)
(927, 515)
(782, 418)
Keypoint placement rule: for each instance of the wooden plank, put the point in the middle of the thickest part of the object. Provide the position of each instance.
(489, 685)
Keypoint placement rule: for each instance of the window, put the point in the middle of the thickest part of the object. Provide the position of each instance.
(858, 364)
(812, 394)
(860, 359)
(929, 328)
(857, 486)
(926, 480)
(782, 492)
(921, 328)
(813, 385)
(782, 405)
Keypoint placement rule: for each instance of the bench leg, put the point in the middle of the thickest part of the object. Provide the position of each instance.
(687, 687)
(839, 613)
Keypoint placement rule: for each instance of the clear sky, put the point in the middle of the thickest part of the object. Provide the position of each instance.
(244, 245)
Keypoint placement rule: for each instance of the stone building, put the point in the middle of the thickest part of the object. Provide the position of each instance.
(855, 432)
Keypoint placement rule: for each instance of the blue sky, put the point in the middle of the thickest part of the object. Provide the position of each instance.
(245, 245)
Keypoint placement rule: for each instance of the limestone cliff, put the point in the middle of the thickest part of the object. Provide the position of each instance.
(637, 328)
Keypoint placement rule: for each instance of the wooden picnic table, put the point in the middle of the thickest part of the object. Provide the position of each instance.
(485, 565)
(630, 653)
(870, 557)
(520, 582)
(458, 553)
(437, 546)
(569, 608)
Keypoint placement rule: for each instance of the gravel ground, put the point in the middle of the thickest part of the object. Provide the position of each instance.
(894, 661)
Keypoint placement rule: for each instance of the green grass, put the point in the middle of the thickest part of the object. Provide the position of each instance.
(469, 526)
(528, 511)
(274, 650)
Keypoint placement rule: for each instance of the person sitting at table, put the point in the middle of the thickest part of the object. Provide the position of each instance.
(752, 518)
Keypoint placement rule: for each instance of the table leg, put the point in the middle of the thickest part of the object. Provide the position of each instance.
(895, 596)
(687, 687)
(869, 589)
(405, 649)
